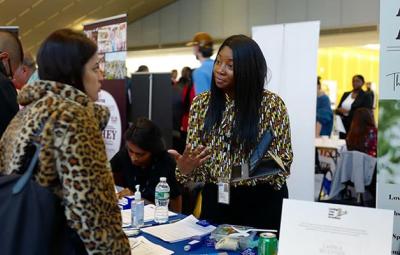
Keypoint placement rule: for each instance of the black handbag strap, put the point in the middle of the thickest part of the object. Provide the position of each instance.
(24, 179)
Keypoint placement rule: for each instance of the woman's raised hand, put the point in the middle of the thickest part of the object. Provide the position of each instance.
(191, 158)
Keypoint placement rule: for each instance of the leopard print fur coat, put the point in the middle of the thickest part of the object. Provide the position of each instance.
(73, 161)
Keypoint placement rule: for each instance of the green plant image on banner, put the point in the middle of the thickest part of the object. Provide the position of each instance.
(389, 142)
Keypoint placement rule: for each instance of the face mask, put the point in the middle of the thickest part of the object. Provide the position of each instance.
(34, 77)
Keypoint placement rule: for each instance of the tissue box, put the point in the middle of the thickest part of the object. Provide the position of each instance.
(125, 202)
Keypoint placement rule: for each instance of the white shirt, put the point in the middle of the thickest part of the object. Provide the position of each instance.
(346, 104)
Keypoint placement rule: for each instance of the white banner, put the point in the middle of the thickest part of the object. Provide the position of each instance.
(389, 30)
(112, 134)
(388, 186)
(291, 54)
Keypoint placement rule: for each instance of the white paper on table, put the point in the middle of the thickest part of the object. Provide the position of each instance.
(322, 229)
(148, 215)
(178, 231)
(118, 188)
(142, 246)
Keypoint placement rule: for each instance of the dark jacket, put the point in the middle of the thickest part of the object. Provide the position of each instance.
(363, 99)
(8, 102)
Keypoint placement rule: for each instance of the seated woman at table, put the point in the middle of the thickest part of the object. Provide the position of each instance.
(143, 161)
(362, 135)
(225, 126)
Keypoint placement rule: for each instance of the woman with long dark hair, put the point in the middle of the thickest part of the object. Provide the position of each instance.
(225, 125)
(362, 135)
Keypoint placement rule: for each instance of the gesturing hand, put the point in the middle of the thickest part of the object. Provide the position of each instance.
(124, 192)
(191, 158)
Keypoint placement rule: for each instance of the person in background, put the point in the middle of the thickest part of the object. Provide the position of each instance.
(188, 94)
(174, 76)
(186, 76)
(351, 101)
(73, 161)
(362, 135)
(24, 71)
(203, 49)
(370, 91)
(142, 69)
(225, 125)
(324, 112)
(11, 55)
(180, 111)
(143, 161)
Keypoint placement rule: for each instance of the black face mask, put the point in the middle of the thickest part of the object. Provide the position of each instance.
(3, 68)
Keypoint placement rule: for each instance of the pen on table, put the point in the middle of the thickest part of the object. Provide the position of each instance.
(193, 244)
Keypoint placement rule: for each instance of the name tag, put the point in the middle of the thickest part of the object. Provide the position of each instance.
(223, 193)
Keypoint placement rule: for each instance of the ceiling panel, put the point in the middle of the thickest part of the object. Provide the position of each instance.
(38, 18)
(18, 9)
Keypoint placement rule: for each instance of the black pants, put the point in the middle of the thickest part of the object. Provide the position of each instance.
(257, 206)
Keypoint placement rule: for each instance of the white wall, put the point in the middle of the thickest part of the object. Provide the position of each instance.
(179, 21)
(164, 60)
(161, 60)
(291, 54)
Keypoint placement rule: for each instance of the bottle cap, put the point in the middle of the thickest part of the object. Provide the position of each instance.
(138, 195)
(163, 179)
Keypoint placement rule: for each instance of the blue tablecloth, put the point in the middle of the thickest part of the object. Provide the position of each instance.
(178, 247)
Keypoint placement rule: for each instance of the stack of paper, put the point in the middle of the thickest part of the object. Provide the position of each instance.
(181, 230)
(148, 215)
(142, 246)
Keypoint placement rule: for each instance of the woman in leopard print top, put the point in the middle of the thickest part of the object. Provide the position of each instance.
(73, 161)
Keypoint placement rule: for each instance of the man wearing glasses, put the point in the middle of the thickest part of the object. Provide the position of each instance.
(11, 56)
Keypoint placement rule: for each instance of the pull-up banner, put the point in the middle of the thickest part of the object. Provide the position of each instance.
(388, 186)
(110, 35)
(292, 74)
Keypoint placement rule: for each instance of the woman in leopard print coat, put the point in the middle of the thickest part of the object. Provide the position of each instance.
(73, 162)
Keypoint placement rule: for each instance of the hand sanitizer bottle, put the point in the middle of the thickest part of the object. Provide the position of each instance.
(137, 209)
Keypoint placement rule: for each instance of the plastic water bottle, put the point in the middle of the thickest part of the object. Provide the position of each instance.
(161, 201)
(137, 210)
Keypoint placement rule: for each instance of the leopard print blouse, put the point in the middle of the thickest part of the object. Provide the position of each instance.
(72, 163)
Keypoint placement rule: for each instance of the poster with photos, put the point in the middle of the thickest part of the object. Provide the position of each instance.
(114, 65)
(110, 35)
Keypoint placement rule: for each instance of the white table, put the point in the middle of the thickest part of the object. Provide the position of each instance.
(330, 144)
(328, 151)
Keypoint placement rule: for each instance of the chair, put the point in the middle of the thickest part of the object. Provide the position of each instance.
(353, 168)
(323, 169)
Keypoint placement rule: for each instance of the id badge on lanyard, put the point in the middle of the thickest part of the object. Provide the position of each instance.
(223, 191)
